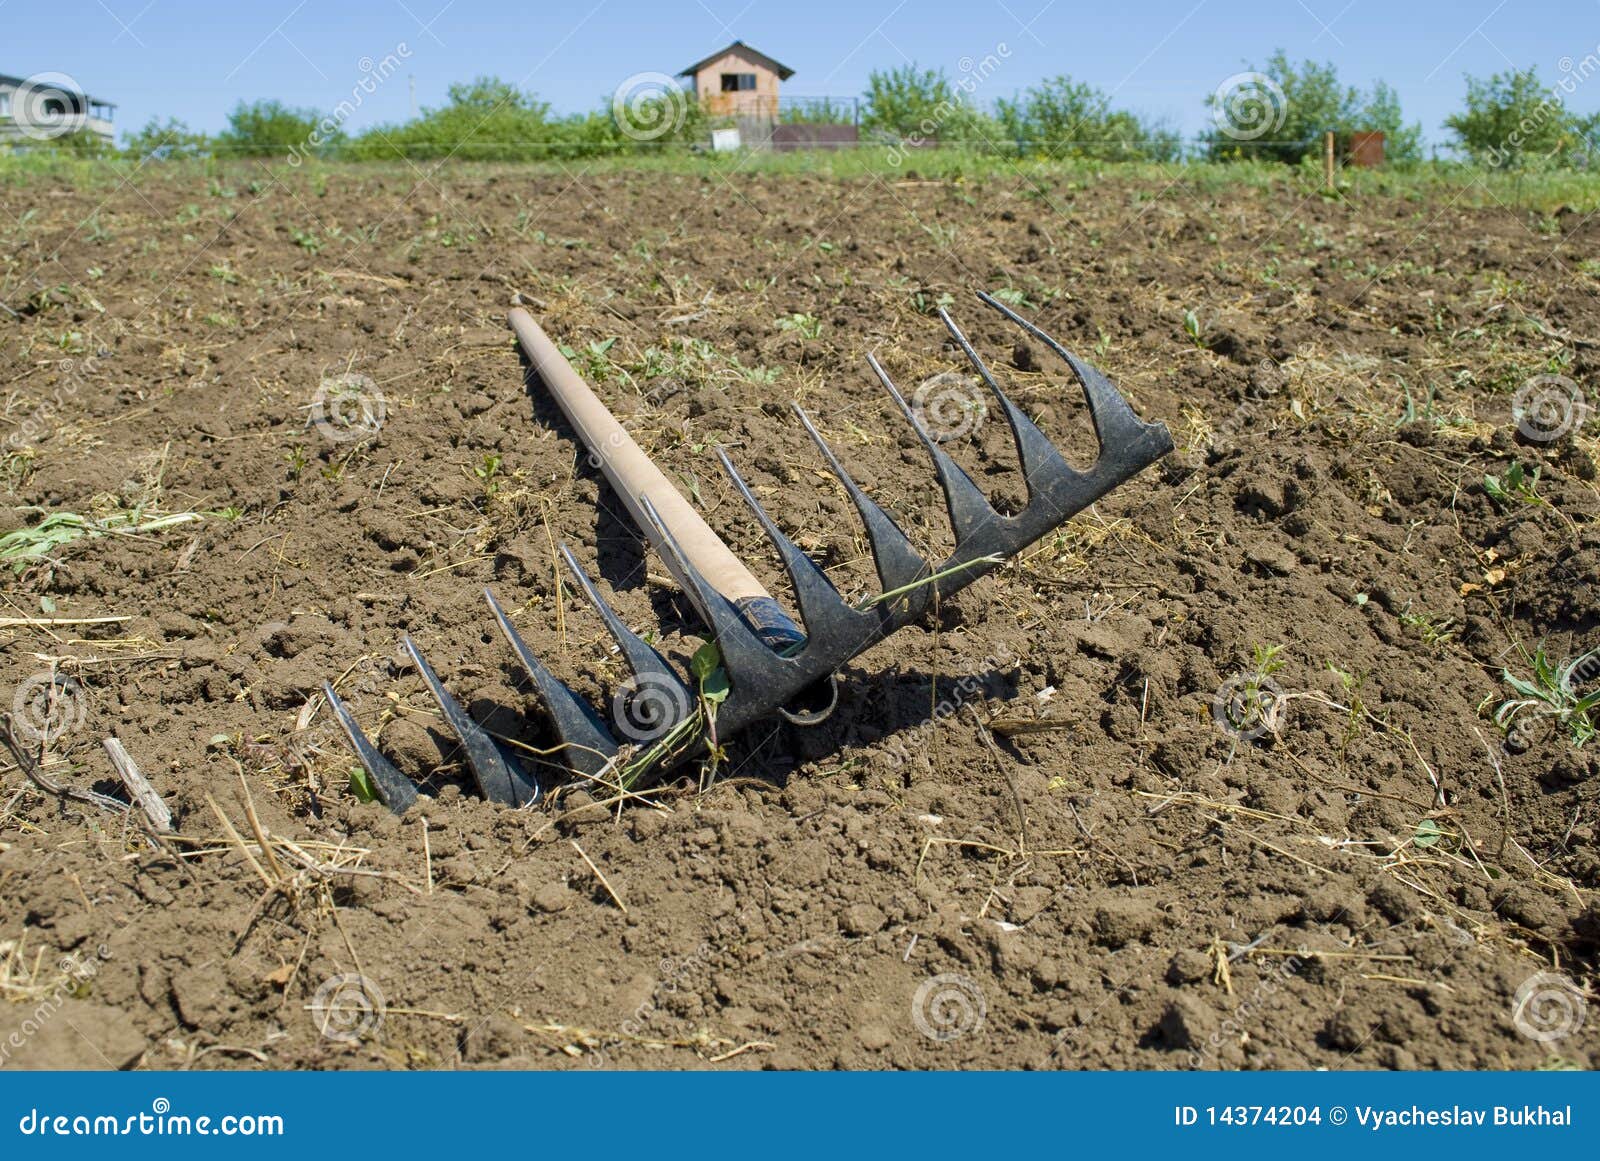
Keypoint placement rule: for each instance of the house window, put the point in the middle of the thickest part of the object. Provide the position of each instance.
(738, 82)
(5, 104)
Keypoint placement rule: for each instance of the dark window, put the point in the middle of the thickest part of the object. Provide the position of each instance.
(738, 82)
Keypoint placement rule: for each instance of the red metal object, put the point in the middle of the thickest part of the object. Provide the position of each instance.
(1365, 149)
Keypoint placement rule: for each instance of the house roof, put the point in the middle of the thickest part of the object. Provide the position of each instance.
(784, 71)
(11, 82)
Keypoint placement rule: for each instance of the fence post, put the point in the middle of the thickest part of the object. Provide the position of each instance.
(1327, 159)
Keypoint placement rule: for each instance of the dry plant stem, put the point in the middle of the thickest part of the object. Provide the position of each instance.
(601, 875)
(32, 771)
(139, 787)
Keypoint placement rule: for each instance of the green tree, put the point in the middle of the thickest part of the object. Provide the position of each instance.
(1402, 143)
(1060, 118)
(486, 119)
(164, 141)
(921, 104)
(1281, 111)
(1512, 120)
(265, 128)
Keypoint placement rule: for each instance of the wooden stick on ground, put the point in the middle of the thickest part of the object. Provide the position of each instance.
(139, 788)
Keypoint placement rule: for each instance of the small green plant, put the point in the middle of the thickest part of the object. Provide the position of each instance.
(1517, 486)
(1433, 631)
(1551, 692)
(297, 460)
(760, 376)
(488, 473)
(25, 546)
(1194, 328)
(307, 240)
(806, 325)
(593, 361)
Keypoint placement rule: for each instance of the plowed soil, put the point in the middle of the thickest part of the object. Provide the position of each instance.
(1034, 835)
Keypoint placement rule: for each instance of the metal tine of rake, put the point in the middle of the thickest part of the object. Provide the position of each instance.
(969, 510)
(899, 564)
(393, 788)
(746, 658)
(761, 680)
(655, 685)
(587, 746)
(1039, 457)
(500, 777)
(1115, 424)
(822, 609)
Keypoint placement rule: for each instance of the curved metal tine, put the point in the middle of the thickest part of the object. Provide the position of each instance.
(587, 747)
(393, 788)
(746, 659)
(821, 607)
(1114, 420)
(499, 778)
(969, 510)
(898, 563)
(1041, 462)
(648, 666)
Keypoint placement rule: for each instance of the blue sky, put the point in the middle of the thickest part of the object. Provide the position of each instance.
(195, 60)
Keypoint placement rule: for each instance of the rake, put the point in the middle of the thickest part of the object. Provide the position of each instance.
(761, 662)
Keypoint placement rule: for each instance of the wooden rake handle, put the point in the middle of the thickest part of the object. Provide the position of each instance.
(633, 476)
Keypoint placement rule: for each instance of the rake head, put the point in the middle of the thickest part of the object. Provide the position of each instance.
(655, 710)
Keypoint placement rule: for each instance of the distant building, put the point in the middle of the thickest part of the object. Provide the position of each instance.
(738, 81)
(48, 105)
